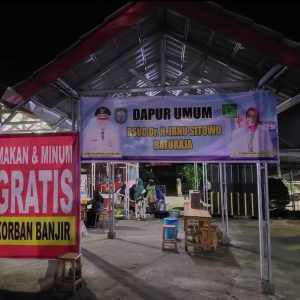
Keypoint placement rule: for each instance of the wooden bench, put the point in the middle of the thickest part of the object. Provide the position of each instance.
(73, 277)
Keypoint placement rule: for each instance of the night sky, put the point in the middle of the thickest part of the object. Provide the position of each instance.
(34, 32)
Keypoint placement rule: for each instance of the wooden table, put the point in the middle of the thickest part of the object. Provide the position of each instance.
(207, 236)
(195, 214)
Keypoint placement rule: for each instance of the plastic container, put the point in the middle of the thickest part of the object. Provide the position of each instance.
(174, 213)
(169, 232)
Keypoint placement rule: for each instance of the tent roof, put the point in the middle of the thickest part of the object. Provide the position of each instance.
(159, 48)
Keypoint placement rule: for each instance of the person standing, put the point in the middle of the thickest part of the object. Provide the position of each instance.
(151, 196)
(160, 204)
(131, 198)
(139, 200)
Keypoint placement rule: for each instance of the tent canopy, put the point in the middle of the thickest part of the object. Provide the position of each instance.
(166, 48)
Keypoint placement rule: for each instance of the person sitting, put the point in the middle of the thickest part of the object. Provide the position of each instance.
(97, 207)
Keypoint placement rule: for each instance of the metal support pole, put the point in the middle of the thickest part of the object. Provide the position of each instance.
(73, 114)
(1, 109)
(222, 195)
(93, 179)
(292, 191)
(126, 200)
(264, 229)
(110, 174)
(196, 180)
(204, 184)
(279, 170)
(224, 210)
(225, 200)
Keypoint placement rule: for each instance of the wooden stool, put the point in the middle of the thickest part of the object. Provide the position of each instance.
(169, 241)
(73, 276)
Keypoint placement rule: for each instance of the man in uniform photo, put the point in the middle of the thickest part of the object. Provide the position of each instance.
(100, 137)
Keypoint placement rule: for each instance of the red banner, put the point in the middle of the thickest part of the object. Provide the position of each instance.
(39, 195)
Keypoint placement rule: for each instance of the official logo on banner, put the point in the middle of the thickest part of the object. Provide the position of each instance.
(229, 111)
(121, 115)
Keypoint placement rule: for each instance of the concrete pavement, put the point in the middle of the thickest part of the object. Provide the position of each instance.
(134, 267)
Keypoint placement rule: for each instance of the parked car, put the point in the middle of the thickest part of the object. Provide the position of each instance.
(279, 195)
